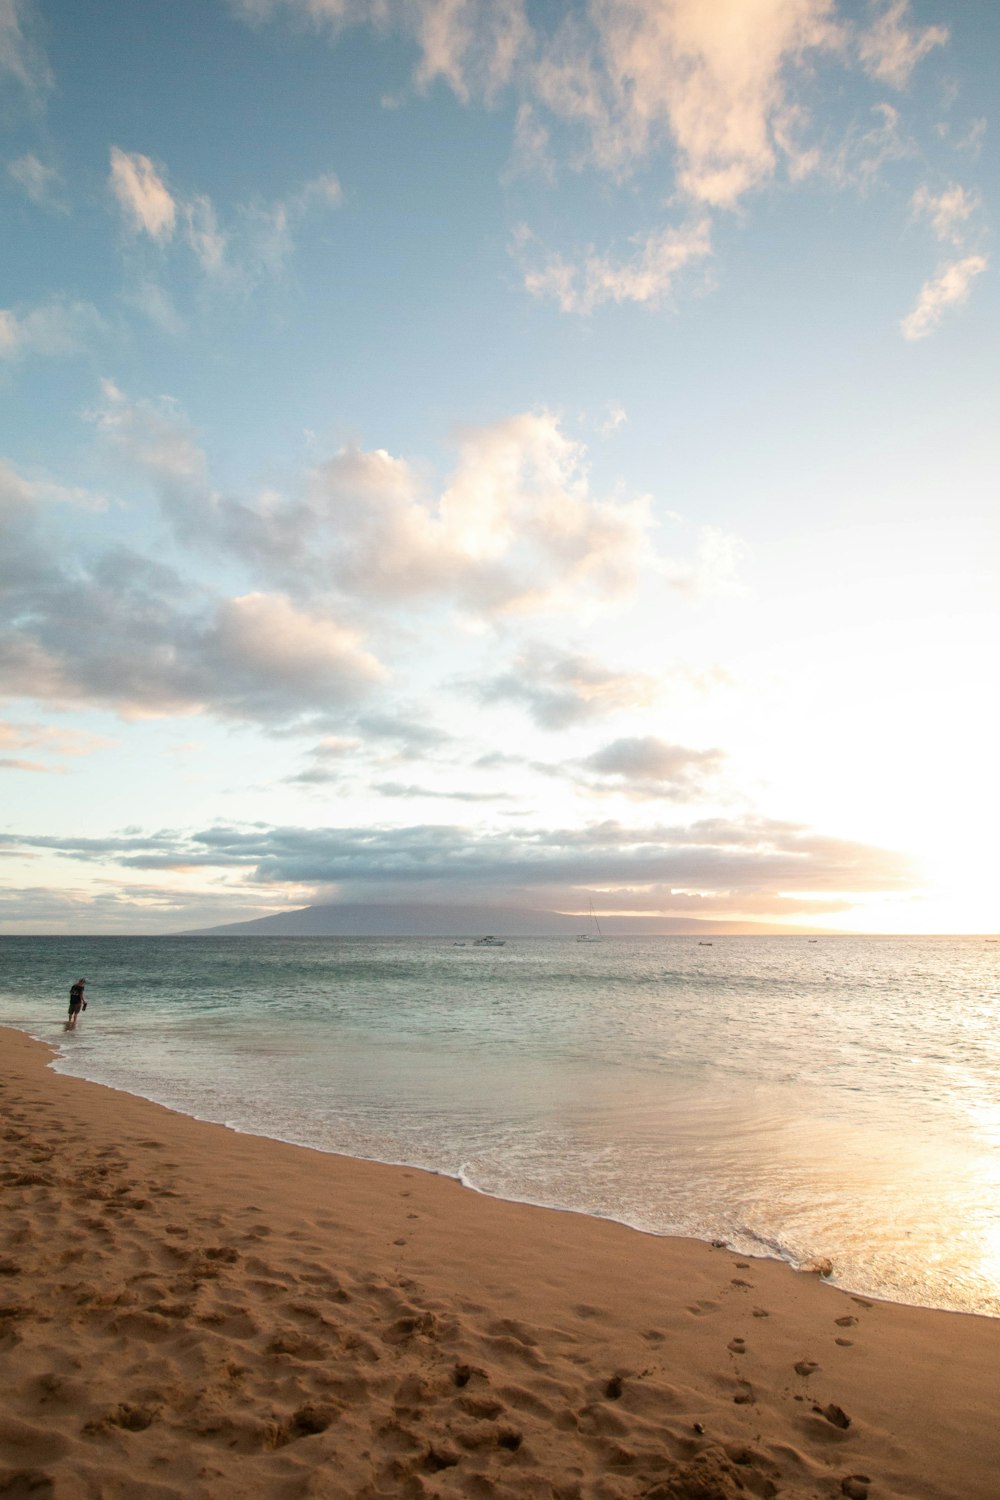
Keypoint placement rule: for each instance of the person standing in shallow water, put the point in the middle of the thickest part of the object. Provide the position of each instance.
(76, 1004)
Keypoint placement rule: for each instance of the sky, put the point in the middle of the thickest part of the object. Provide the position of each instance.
(529, 453)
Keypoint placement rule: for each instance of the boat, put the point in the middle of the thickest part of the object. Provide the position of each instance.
(595, 935)
(489, 942)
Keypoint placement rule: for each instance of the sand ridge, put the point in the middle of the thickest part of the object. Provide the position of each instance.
(189, 1312)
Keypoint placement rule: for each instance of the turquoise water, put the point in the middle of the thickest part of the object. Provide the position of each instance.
(837, 1098)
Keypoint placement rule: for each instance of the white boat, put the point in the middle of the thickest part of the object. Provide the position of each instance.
(489, 942)
(595, 934)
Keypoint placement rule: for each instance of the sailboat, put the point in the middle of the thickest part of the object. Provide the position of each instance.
(595, 935)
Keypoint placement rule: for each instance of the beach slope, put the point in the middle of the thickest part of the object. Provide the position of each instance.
(188, 1312)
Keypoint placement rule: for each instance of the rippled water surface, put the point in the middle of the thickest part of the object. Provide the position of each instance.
(836, 1098)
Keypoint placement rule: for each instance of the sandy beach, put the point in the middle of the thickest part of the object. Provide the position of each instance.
(185, 1311)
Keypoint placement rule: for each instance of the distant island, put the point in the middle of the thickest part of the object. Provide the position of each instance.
(442, 919)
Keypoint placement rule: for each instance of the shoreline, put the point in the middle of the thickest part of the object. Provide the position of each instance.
(186, 1310)
(765, 1250)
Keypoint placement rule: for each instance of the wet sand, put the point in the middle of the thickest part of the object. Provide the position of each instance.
(189, 1312)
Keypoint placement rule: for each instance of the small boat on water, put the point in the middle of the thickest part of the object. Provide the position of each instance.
(489, 942)
(595, 935)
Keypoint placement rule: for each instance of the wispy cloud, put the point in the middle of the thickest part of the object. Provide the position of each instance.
(714, 97)
(258, 241)
(890, 47)
(560, 689)
(142, 195)
(55, 329)
(648, 276)
(950, 288)
(60, 747)
(948, 212)
(39, 182)
(21, 56)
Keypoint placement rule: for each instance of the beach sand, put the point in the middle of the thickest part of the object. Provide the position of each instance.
(185, 1311)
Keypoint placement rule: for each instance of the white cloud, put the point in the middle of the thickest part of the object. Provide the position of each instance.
(617, 417)
(714, 568)
(948, 211)
(563, 688)
(20, 55)
(648, 767)
(38, 181)
(513, 530)
(55, 330)
(470, 43)
(711, 77)
(273, 656)
(323, 191)
(256, 244)
(51, 741)
(152, 433)
(867, 146)
(647, 277)
(530, 152)
(949, 289)
(890, 49)
(202, 232)
(142, 195)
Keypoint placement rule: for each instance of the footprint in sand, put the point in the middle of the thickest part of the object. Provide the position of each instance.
(848, 1321)
(835, 1415)
(761, 1312)
(806, 1367)
(737, 1346)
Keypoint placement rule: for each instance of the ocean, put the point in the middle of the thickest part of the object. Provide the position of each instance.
(836, 1098)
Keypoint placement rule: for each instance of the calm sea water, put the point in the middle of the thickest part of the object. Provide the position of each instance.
(837, 1098)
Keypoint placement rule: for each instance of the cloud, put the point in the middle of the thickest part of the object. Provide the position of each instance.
(202, 232)
(257, 244)
(63, 744)
(143, 196)
(273, 659)
(451, 794)
(129, 906)
(121, 631)
(889, 49)
(711, 78)
(869, 144)
(560, 689)
(948, 211)
(20, 55)
(56, 329)
(950, 288)
(647, 277)
(617, 417)
(470, 43)
(513, 529)
(718, 863)
(39, 182)
(645, 767)
(712, 96)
